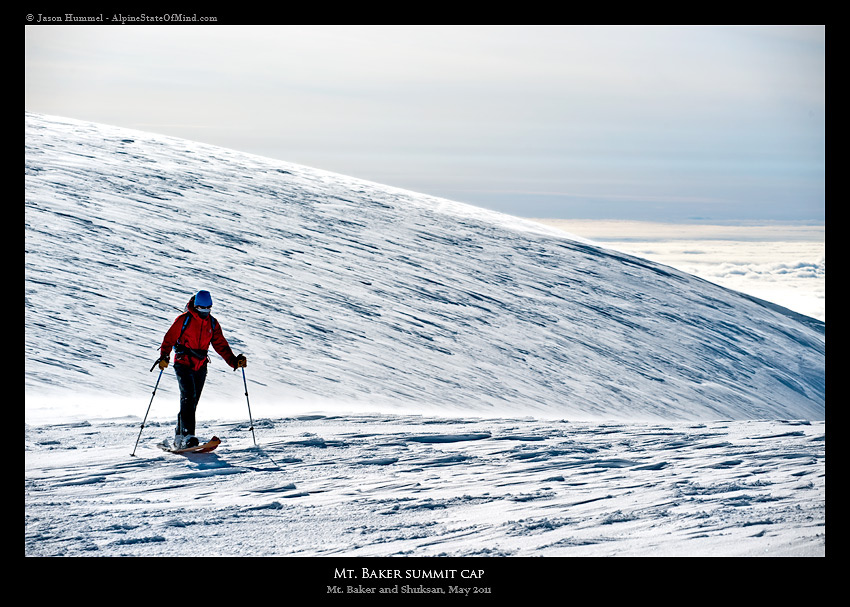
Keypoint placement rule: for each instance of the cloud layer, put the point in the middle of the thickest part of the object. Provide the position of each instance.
(785, 264)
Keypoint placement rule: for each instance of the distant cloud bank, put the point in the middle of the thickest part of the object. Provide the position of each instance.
(781, 263)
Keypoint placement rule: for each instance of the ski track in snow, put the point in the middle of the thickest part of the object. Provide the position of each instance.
(405, 322)
(380, 485)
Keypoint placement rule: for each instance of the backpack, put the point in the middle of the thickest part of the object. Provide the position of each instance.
(181, 349)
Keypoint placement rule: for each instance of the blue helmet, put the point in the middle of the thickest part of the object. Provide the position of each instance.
(203, 299)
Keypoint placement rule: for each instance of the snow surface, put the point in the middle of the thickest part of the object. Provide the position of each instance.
(382, 485)
(425, 377)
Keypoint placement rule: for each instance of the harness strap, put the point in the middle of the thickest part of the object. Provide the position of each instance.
(182, 349)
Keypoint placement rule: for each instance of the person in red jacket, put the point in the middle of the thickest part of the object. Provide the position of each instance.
(190, 336)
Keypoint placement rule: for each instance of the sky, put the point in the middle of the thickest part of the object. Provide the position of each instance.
(664, 124)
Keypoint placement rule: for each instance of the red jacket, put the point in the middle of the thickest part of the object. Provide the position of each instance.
(192, 341)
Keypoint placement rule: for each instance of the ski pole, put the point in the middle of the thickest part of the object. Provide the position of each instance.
(148, 411)
(251, 419)
(245, 383)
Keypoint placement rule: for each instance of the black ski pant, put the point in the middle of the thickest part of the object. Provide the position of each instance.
(191, 383)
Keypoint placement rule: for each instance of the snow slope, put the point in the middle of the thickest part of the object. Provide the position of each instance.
(417, 486)
(481, 386)
(345, 293)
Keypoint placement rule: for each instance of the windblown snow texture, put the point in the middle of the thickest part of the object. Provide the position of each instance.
(347, 291)
(414, 486)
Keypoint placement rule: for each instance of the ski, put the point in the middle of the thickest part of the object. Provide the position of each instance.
(204, 448)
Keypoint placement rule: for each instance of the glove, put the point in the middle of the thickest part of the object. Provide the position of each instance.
(161, 362)
(241, 361)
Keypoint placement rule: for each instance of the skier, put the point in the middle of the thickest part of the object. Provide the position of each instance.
(190, 336)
